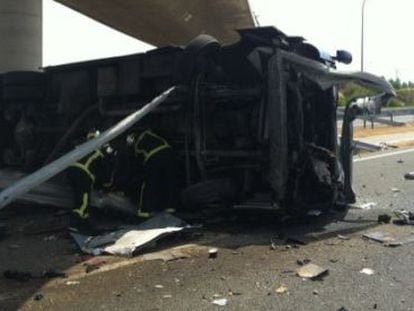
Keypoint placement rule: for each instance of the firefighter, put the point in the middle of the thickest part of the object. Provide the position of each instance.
(93, 171)
(156, 161)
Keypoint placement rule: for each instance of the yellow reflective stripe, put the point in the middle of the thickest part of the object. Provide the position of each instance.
(82, 212)
(140, 213)
(141, 136)
(147, 155)
(155, 151)
(143, 152)
(110, 182)
(144, 215)
(141, 197)
(92, 158)
(85, 167)
(159, 137)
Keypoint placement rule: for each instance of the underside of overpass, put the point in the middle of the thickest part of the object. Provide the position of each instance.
(165, 22)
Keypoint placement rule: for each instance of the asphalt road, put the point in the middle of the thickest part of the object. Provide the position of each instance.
(248, 271)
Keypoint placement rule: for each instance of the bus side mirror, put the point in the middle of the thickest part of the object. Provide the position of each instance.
(343, 56)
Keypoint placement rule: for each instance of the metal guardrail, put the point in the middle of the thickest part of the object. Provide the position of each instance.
(403, 111)
(365, 146)
(397, 111)
(385, 117)
(360, 145)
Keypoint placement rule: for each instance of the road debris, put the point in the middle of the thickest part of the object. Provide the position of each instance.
(311, 271)
(343, 237)
(233, 293)
(385, 238)
(379, 237)
(303, 262)
(70, 283)
(275, 242)
(384, 219)
(213, 252)
(409, 176)
(159, 286)
(315, 292)
(405, 217)
(365, 206)
(127, 241)
(167, 296)
(389, 240)
(282, 290)
(291, 240)
(332, 243)
(175, 253)
(300, 239)
(395, 190)
(220, 302)
(367, 271)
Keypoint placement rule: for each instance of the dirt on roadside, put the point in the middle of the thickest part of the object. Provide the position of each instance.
(360, 132)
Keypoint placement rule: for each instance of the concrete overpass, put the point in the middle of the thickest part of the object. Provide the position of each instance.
(20, 35)
(158, 22)
(164, 22)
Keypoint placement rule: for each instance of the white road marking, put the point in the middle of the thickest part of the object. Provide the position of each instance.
(384, 155)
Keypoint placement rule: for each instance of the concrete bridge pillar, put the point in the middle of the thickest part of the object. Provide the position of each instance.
(20, 35)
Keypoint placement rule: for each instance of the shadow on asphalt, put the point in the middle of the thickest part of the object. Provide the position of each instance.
(252, 228)
(24, 249)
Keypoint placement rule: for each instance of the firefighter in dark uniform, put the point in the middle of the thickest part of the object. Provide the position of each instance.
(156, 159)
(93, 171)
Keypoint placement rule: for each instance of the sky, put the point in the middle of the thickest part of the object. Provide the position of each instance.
(329, 24)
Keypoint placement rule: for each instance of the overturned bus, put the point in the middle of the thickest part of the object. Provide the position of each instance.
(252, 124)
